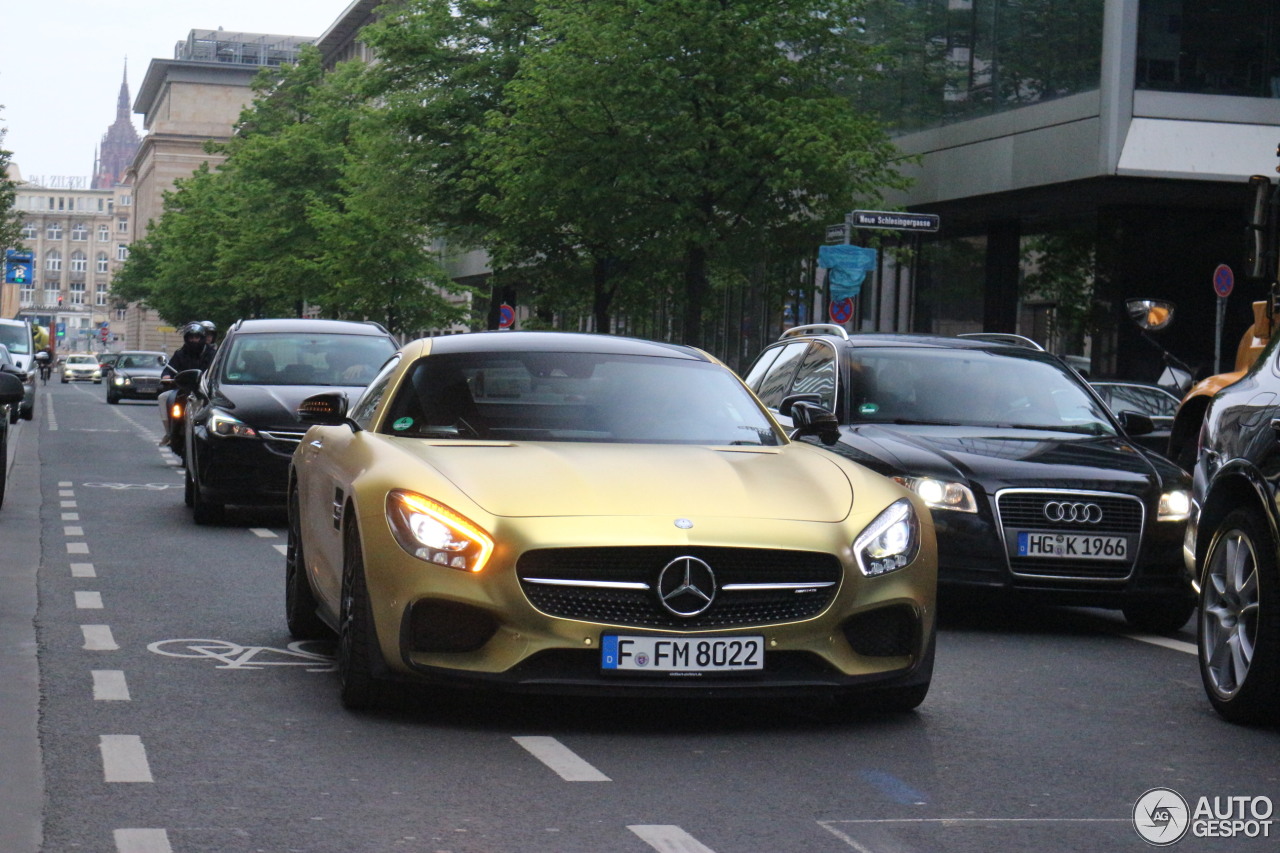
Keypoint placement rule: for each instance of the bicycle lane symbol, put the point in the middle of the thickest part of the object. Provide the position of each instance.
(235, 656)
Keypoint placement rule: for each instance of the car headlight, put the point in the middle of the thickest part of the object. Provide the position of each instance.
(434, 533)
(889, 542)
(222, 424)
(941, 494)
(1174, 506)
(120, 380)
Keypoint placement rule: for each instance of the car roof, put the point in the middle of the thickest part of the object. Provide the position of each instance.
(307, 327)
(505, 341)
(839, 336)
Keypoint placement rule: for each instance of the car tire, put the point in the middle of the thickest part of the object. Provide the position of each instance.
(65, 380)
(299, 600)
(203, 511)
(188, 488)
(112, 399)
(1159, 617)
(360, 688)
(1238, 639)
(4, 462)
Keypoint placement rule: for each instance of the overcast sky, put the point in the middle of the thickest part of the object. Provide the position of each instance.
(63, 60)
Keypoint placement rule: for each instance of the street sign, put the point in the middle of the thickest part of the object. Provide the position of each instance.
(1223, 280)
(506, 316)
(891, 220)
(837, 233)
(841, 311)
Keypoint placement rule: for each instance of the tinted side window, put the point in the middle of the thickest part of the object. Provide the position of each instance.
(817, 374)
(362, 411)
(761, 367)
(777, 379)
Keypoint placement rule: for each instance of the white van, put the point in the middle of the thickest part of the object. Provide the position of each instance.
(16, 335)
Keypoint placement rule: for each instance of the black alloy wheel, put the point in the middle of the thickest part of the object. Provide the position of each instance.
(360, 688)
(1239, 625)
(299, 601)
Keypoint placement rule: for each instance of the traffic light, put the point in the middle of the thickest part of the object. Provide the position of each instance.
(59, 300)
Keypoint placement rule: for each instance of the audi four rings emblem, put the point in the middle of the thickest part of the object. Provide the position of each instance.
(686, 586)
(1083, 513)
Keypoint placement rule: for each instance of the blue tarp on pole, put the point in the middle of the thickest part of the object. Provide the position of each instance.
(849, 266)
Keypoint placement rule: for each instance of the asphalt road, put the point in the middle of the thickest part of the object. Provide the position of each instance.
(174, 713)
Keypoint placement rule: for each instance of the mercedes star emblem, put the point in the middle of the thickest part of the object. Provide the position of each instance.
(686, 586)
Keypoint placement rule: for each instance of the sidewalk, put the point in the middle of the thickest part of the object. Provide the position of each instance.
(21, 780)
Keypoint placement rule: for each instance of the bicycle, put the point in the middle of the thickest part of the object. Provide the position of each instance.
(45, 372)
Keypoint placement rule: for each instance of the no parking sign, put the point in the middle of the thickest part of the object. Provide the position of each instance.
(506, 316)
(840, 311)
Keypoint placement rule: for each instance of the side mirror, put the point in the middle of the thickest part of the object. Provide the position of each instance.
(811, 419)
(324, 409)
(1135, 423)
(187, 380)
(1151, 315)
(11, 390)
(785, 407)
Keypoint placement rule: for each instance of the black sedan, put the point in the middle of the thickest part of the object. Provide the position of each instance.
(134, 375)
(1036, 488)
(241, 417)
(1232, 548)
(1145, 399)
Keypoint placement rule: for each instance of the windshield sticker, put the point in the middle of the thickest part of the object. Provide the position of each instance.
(402, 424)
(868, 408)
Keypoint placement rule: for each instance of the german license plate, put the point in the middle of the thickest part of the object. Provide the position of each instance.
(1072, 546)
(681, 654)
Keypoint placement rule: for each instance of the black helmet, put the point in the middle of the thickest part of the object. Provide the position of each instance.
(209, 327)
(193, 329)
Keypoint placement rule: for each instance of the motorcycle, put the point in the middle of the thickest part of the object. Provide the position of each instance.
(173, 411)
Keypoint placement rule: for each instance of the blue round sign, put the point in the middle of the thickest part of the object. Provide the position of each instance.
(841, 311)
(506, 316)
(1223, 280)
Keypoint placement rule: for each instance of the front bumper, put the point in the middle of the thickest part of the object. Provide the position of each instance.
(243, 471)
(443, 625)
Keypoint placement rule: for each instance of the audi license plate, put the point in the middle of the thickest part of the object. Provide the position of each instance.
(1072, 546)
(681, 654)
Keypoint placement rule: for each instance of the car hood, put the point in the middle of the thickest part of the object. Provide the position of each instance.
(1004, 458)
(272, 405)
(578, 479)
(139, 372)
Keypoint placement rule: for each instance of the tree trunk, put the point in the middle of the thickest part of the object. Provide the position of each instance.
(695, 293)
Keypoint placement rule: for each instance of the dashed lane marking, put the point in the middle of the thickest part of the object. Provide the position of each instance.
(88, 600)
(124, 759)
(77, 548)
(669, 839)
(1164, 642)
(142, 841)
(73, 531)
(98, 638)
(83, 570)
(263, 533)
(561, 759)
(109, 685)
(283, 549)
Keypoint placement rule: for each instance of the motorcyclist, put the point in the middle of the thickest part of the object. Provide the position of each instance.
(210, 334)
(194, 354)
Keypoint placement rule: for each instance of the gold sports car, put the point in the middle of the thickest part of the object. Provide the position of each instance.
(584, 513)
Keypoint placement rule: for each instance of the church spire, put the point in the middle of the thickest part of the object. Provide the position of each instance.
(122, 103)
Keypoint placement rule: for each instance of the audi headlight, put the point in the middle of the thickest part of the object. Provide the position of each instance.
(889, 542)
(434, 533)
(941, 494)
(220, 423)
(1174, 506)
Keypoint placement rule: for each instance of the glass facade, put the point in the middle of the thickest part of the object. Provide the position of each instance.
(950, 60)
(1211, 47)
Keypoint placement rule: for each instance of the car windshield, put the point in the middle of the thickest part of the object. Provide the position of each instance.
(905, 385)
(295, 358)
(140, 359)
(82, 359)
(16, 337)
(577, 396)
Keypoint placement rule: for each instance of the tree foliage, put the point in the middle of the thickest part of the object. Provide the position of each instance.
(10, 222)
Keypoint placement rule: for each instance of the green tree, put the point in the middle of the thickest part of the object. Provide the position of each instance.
(1063, 270)
(10, 222)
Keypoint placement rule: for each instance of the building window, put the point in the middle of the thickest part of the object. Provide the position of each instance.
(77, 293)
(79, 263)
(1209, 47)
(100, 295)
(103, 264)
(50, 294)
(122, 225)
(122, 252)
(53, 261)
(79, 232)
(27, 294)
(126, 200)
(104, 234)
(28, 231)
(53, 231)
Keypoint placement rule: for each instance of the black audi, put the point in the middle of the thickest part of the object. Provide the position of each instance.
(241, 417)
(1035, 487)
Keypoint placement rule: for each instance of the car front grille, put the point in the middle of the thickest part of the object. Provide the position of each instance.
(619, 585)
(146, 385)
(1024, 509)
(282, 441)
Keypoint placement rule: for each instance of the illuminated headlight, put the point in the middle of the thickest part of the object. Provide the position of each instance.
(220, 423)
(940, 494)
(890, 542)
(120, 380)
(434, 533)
(1174, 506)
